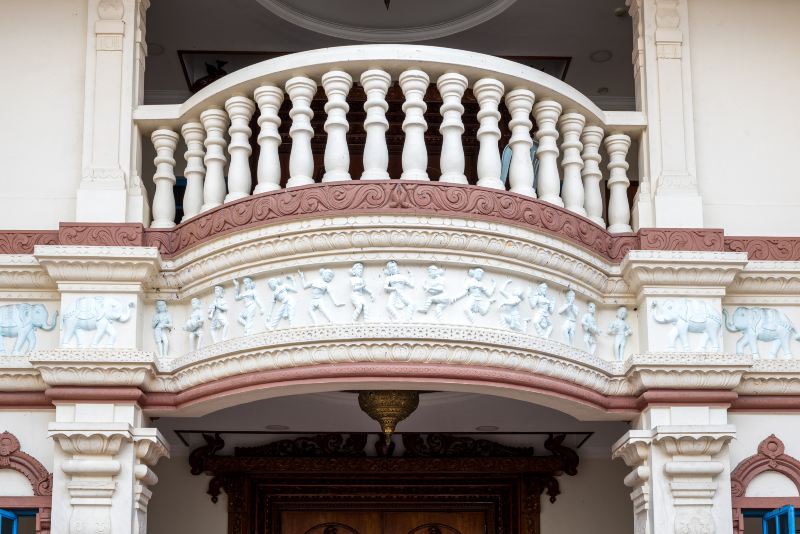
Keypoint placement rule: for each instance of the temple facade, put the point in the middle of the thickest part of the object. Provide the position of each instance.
(273, 267)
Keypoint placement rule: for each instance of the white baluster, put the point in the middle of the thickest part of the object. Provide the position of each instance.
(548, 183)
(301, 160)
(214, 121)
(591, 138)
(164, 142)
(520, 171)
(488, 93)
(268, 173)
(572, 190)
(451, 161)
(414, 84)
(240, 110)
(619, 211)
(376, 154)
(337, 86)
(193, 134)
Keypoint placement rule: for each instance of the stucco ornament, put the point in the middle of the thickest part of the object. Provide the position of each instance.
(247, 293)
(510, 312)
(762, 324)
(434, 288)
(570, 312)
(479, 293)
(20, 321)
(282, 301)
(359, 293)
(542, 306)
(621, 331)
(162, 326)
(98, 314)
(194, 325)
(218, 315)
(694, 521)
(590, 328)
(689, 316)
(397, 284)
(320, 288)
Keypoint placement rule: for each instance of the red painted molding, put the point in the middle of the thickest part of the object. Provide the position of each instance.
(766, 248)
(398, 197)
(771, 457)
(24, 400)
(94, 394)
(673, 397)
(106, 234)
(766, 403)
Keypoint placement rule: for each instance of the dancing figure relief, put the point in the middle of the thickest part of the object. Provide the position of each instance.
(359, 293)
(194, 325)
(282, 307)
(252, 303)
(397, 285)
(320, 288)
(218, 315)
(542, 306)
(162, 326)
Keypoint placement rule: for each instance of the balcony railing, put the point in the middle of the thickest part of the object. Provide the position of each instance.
(500, 97)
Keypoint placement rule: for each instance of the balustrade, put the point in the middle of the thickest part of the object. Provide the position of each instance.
(569, 132)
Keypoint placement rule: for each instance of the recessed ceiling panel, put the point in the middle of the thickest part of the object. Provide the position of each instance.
(371, 21)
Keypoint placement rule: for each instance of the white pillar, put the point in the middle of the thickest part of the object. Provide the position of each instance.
(214, 121)
(488, 93)
(164, 142)
(337, 86)
(680, 478)
(193, 135)
(269, 99)
(376, 154)
(414, 84)
(111, 188)
(102, 468)
(520, 171)
(591, 138)
(663, 76)
(619, 210)
(572, 163)
(240, 110)
(451, 162)
(548, 183)
(301, 159)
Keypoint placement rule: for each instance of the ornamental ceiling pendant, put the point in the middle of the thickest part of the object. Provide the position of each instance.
(387, 2)
(388, 408)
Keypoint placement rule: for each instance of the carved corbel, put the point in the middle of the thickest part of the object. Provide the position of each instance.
(634, 450)
(149, 446)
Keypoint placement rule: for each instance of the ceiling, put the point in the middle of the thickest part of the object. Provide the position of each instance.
(437, 412)
(573, 28)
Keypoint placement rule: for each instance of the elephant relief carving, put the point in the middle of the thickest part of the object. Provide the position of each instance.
(689, 316)
(98, 314)
(762, 324)
(21, 321)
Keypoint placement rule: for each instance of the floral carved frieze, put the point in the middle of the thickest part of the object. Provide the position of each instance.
(766, 248)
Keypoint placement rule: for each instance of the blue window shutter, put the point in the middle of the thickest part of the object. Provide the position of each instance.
(779, 521)
(8, 522)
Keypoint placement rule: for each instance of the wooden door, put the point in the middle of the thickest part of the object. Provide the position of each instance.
(361, 522)
(434, 523)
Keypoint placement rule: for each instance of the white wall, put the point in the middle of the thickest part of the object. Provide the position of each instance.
(746, 87)
(753, 428)
(41, 110)
(595, 500)
(180, 504)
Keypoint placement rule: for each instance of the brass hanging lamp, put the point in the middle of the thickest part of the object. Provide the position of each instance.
(388, 408)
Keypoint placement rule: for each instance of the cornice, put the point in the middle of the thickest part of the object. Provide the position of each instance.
(409, 343)
(771, 377)
(93, 367)
(22, 273)
(645, 269)
(692, 371)
(76, 264)
(768, 278)
(17, 374)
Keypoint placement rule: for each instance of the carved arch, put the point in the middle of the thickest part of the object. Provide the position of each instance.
(12, 457)
(771, 457)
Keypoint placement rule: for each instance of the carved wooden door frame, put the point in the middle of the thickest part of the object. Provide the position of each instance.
(443, 467)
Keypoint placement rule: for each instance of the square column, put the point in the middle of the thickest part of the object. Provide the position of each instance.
(680, 478)
(102, 468)
(111, 189)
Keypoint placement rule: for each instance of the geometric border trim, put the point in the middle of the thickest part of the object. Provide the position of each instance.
(771, 457)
